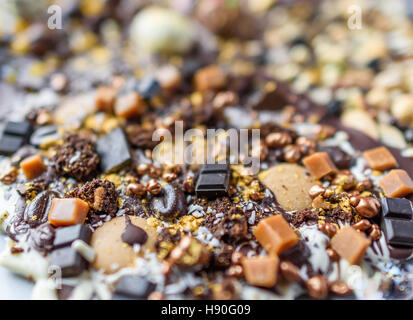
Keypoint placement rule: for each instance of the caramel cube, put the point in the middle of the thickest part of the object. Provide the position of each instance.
(275, 235)
(105, 99)
(33, 166)
(380, 159)
(319, 164)
(210, 78)
(261, 271)
(350, 244)
(66, 212)
(130, 105)
(396, 184)
(169, 77)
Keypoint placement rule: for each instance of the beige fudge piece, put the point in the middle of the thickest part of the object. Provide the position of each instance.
(105, 99)
(320, 164)
(380, 159)
(290, 184)
(112, 253)
(350, 244)
(275, 235)
(397, 183)
(33, 166)
(69, 211)
(130, 105)
(261, 271)
(210, 78)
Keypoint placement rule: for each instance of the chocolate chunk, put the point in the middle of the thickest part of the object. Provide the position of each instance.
(44, 134)
(65, 292)
(76, 158)
(398, 232)
(149, 87)
(213, 181)
(134, 287)
(397, 222)
(170, 203)
(10, 144)
(133, 234)
(297, 255)
(397, 208)
(114, 151)
(37, 212)
(339, 157)
(20, 129)
(42, 237)
(67, 235)
(69, 261)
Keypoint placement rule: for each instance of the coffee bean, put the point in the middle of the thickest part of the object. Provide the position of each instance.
(37, 211)
(169, 203)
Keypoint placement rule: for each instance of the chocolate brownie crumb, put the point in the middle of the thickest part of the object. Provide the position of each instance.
(101, 195)
(76, 157)
(228, 223)
(308, 216)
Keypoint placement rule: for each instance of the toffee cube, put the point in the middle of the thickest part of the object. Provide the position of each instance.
(275, 235)
(320, 164)
(130, 105)
(396, 184)
(210, 78)
(380, 159)
(350, 244)
(69, 211)
(261, 271)
(33, 166)
(105, 99)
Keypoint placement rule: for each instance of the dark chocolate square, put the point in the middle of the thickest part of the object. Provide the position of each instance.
(397, 208)
(10, 144)
(65, 236)
(69, 261)
(113, 150)
(21, 129)
(215, 167)
(134, 287)
(398, 232)
(212, 185)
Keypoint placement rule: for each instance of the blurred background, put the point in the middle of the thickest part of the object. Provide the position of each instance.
(363, 75)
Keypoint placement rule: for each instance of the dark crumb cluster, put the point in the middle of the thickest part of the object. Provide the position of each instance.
(76, 158)
(101, 195)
